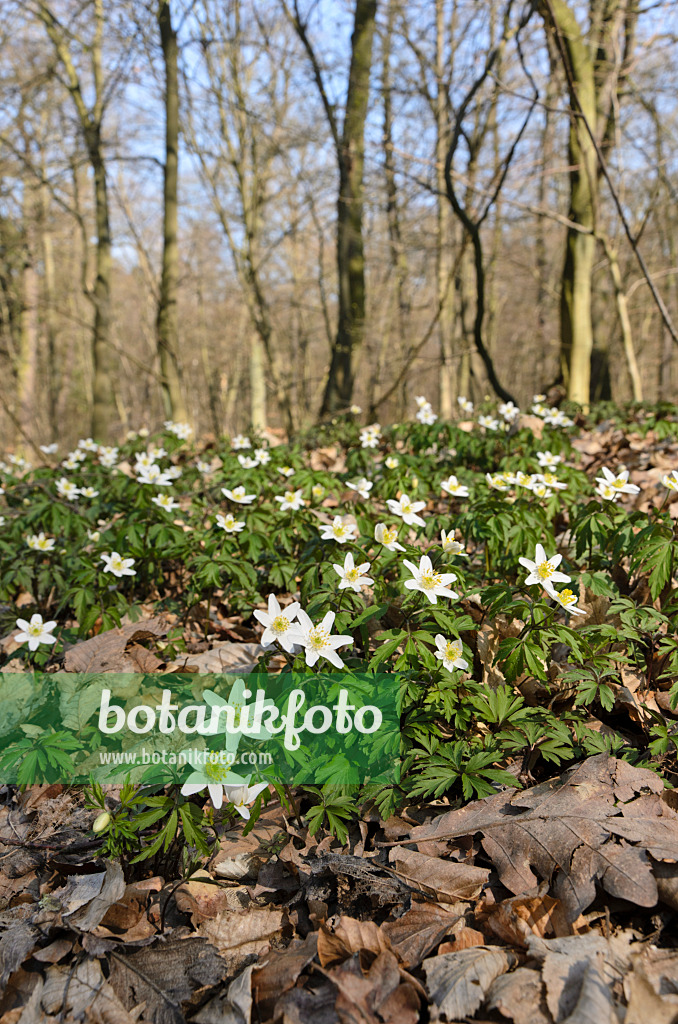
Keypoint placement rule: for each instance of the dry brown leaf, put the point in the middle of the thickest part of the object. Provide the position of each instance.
(56, 951)
(204, 900)
(516, 919)
(339, 941)
(87, 916)
(240, 934)
(457, 983)
(574, 830)
(234, 1006)
(566, 961)
(107, 652)
(645, 1004)
(279, 972)
(421, 929)
(82, 993)
(464, 938)
(447, 880)
(519, 996)
(223, 656)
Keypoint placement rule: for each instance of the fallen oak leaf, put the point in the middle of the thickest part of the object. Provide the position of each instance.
(340, 941)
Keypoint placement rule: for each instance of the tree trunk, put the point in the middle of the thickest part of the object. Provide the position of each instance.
(104, 363)
(350, 254)
(257, 385)
(28, 320)
(167, 332)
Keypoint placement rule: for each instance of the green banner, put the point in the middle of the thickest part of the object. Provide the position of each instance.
(310, 728)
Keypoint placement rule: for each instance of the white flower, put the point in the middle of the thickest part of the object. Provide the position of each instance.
(88, 445)
(369, 436)
(203, 467)
(35, 632)
(671, 480)
(539, 409)
(567, 600)
(543, 570)
(541, 490)
(156, 451)
(144, 460)
(608, 492)
(278, 624)
(453, 487)
(71, 462)
(240, 796)
(153, 475)
(229, 523)
(39, 542)
(422, 401)
(247, 462)
(388, 537)
(351, 575)
(174, 472)
(2, 520)
(498, 482)
(19, 461)
(523, 479)
(338, 530)
(290, 500)
(556, 418)
(240, 442)
(318, 641)
(118, 565)
(356, 410)
(488, 422)
(465, 404)
(620, 482)
(49, 449)
(426, 414)
(548, 460)
(550, 480)
(450, 653)
(450, 545)
(362, 486)
(238, 495)
(286, 470)
(262, 455)
(166, 502)
(509, 411)
(538, 398)
(428, 581)
(108, 456)
(318, 491)
(391, 462)
(66, 488)
(407, 510)
(180, 430)
(89, 492)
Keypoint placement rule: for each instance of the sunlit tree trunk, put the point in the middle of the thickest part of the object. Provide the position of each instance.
(90, 120)
(350, 251)
(167, 333)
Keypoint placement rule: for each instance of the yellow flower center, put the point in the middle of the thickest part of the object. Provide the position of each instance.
(280, 624)
(318, 638)
(216, 772)
(289, 496)
(430, 579)
(390, 535)
(567, 597)
(35, 630)
(545, 570)
(452, 651)
(405, 507)
(351, 575)
(619, 483)
(339, 530)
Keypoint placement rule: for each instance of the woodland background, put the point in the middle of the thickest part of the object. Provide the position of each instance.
(257, 213)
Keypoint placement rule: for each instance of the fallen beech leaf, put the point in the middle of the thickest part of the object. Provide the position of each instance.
(516, 919)
(279, 972)
(519, 996)
(56, 951)
(203, 900)
(447, 880)
(112, 888)
(457, 983)
(106, 651)
(234, 1006)
(347, 937)
(240, 934)
(420, 930)
(223, 656)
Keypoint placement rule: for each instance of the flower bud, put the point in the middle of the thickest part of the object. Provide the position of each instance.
(101, 822)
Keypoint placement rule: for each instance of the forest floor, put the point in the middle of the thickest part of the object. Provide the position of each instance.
(524, 864)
